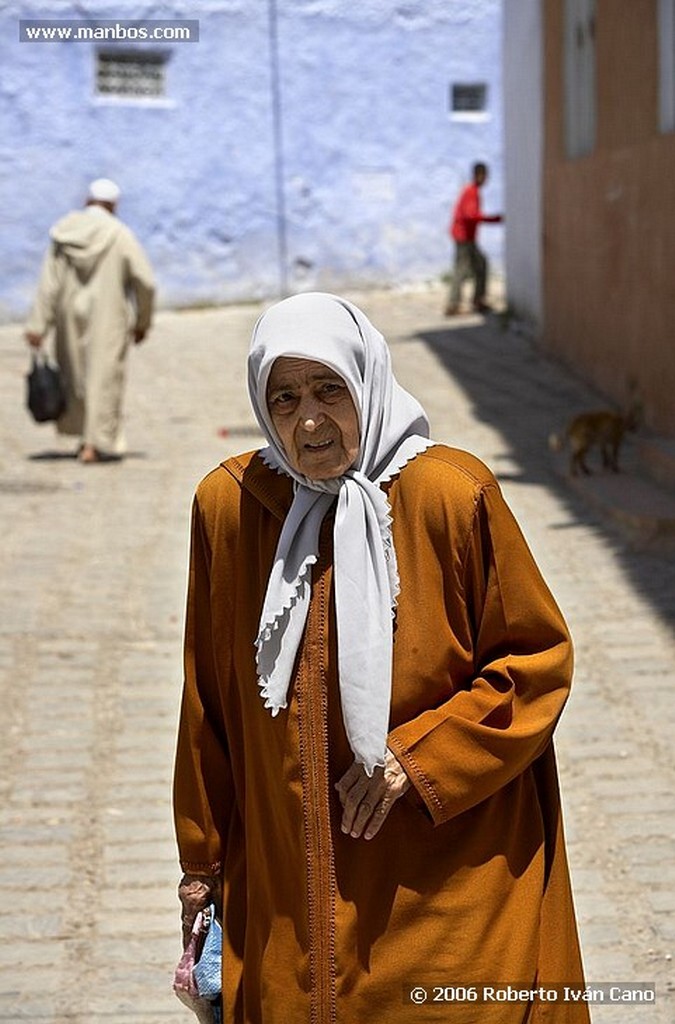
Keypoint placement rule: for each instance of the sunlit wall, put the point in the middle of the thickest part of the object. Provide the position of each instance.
(297, 144)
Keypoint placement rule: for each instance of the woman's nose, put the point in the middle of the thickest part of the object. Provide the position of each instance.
(311, 416)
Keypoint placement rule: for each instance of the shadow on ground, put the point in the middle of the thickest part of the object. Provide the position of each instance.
(54, 455)
(526, 397)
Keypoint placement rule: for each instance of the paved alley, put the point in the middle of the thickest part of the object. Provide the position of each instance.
(93, 562)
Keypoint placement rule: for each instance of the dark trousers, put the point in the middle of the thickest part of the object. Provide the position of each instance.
(470, 262)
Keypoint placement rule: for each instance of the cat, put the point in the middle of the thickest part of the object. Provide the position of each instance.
(604, 428)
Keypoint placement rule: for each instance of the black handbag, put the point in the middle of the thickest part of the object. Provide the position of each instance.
(46, 397)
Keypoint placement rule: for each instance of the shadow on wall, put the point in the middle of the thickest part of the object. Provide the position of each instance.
(526, 397)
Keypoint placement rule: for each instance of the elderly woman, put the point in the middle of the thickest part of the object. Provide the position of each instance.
(374, 667)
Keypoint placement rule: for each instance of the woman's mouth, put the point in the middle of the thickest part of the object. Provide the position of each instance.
(318, 446)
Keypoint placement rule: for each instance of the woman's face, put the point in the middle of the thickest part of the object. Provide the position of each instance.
(314, 416)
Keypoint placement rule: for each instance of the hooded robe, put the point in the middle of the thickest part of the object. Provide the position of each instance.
(93, 267)
(466, 883)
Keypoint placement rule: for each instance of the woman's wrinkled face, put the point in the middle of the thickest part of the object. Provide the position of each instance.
(315, 417)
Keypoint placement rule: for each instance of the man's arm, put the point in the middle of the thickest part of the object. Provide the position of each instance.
(43, 312)
(141, 283)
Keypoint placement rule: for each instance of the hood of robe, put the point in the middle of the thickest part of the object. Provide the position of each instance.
(84, 235)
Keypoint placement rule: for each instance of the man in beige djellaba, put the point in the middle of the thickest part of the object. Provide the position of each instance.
(96, 291)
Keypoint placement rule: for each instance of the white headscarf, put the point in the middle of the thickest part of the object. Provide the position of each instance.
(393, 429)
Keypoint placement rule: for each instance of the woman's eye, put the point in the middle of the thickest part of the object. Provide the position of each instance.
(332, 389)
(283, 398)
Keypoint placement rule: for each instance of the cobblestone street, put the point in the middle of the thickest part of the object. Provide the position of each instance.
(93, 564)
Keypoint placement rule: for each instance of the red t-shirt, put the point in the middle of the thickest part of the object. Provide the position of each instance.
(467, 215)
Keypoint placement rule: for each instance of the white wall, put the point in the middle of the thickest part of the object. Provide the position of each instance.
(523, 155)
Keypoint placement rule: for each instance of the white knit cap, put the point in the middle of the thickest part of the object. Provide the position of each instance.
(103, 190)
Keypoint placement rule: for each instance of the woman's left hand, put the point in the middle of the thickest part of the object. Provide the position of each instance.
(195, 892)
(366, 802)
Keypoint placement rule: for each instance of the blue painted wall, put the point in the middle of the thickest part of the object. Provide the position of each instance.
(370, 163)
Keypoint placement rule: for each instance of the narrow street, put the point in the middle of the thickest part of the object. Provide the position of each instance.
(93, 563)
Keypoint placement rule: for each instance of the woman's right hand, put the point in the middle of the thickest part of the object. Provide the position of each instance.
(195, 892)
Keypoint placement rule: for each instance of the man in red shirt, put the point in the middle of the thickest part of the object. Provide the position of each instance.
(470, 261)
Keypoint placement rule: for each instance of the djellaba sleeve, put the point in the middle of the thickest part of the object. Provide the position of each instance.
(140, 281)
(463, 751)
(44, 309)
(203, 786)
